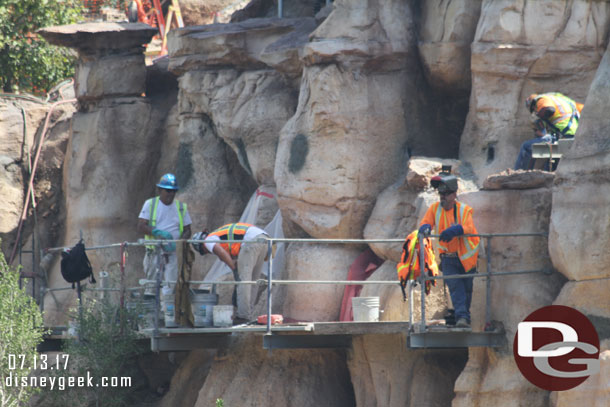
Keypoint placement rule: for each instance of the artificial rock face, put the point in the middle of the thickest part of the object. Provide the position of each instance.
(517, 52)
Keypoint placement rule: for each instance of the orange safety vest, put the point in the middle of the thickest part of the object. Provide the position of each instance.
(408, 267)
(231, 231)
(468, 247)
(567, 112)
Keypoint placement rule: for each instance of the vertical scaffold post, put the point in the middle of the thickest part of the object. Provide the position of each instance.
(488, 284)
(269, 278)
(280, 8)
(422, 280)
(410, 283)
(154, 345)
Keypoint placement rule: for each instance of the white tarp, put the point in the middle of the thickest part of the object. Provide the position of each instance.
(273, 229)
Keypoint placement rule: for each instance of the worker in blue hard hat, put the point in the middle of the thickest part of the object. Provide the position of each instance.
(164, 217)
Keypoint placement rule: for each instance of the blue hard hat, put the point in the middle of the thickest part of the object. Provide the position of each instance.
(168, 181)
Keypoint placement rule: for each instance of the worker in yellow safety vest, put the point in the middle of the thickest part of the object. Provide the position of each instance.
(244, 259)
(451, 220)
(163, 218)
(555, 117)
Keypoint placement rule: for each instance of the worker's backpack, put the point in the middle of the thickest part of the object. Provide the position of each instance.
(75, 264)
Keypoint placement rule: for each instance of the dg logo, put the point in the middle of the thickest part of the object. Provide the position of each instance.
(556, 348)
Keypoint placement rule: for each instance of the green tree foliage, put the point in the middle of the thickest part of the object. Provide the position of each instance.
(27, 62)
(20, 332)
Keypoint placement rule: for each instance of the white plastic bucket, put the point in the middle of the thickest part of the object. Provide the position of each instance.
(167, 306)
(223, 315)
(202, 305)
(366, 309)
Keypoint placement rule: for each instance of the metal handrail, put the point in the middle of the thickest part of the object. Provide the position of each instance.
(270, 282)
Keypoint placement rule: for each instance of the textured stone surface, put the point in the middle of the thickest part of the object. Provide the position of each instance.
(446, 32)
(581, 211)
(248, 111)
(248, 375)
(520, 179)
(339, 150)
(237, 45)
(100, 37)
(516, 53)
(308, 261)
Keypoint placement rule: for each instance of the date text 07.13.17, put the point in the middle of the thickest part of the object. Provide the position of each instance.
(39, 361)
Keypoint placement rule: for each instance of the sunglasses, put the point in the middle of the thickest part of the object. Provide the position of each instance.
(445, 193)
(169, 191)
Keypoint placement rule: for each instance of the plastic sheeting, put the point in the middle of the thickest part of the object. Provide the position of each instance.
(273, 229)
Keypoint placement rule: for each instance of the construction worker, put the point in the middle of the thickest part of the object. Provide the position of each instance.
(163, 217)
(525, 152)
(555, 116)
(451, 220)
(245, 260)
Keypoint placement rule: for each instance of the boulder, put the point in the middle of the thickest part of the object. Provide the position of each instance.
(100, 37)
(239, 45)
(111, 57)
(19, 121)
(446, 32)
(347, 34)
(578, 236)
(339, 150)
(426, 376)
(248, 110)
(520, 179)
(247, 375)
(316, 302)
(516, 53)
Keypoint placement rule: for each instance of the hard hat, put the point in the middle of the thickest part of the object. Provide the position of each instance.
(530, 102)
(199, 246)
(168, 181)
(445, 183)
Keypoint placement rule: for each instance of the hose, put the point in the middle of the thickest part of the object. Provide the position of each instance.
(33, 173)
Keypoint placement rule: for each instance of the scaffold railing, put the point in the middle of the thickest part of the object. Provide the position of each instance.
(270, 282)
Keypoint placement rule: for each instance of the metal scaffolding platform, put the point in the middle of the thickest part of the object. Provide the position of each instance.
(320, 335)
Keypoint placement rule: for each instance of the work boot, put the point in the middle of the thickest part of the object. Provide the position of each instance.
(462, 323)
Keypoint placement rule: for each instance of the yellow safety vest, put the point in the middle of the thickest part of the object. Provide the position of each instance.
(152, 221)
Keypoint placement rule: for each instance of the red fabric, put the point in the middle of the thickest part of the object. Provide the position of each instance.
(361, 269)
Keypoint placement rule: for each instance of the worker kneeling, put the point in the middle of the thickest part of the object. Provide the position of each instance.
(244, 259)
(452, 220)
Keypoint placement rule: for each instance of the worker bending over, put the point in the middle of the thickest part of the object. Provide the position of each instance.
(163, 217)
(451, 220)
(244, 259)
(555, 117)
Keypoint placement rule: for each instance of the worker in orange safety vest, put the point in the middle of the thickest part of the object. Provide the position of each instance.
(244, 259)
(555, 117)
(451, 220)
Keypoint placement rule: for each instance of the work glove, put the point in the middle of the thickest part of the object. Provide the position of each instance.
(164, 235)
(425, 229)
(451, 232)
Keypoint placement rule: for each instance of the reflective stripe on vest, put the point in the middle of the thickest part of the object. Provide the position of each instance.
(152, 221)
(565, 111)
(231, 231)
(468, 247)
